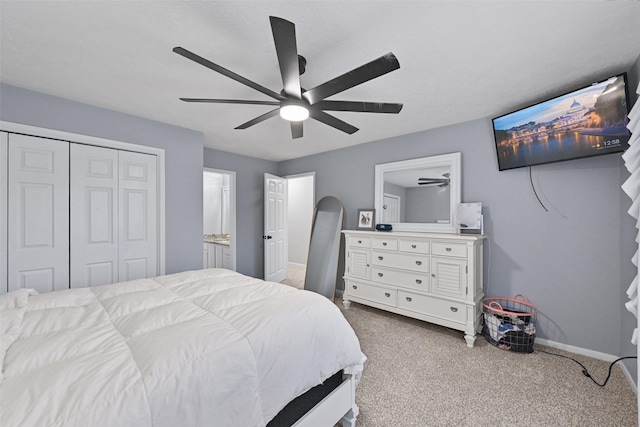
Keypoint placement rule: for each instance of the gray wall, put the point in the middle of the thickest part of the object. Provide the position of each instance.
(427, 204)
(183, 159)
(567, 260)
(249, 205)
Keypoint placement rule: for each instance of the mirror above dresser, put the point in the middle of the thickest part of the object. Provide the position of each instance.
(419, 194)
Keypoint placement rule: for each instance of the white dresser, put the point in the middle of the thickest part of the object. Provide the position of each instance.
(432, 277)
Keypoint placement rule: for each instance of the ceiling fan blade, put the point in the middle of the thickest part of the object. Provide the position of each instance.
(259, 119)
(229, 101)
(215, 67)
(364, 73)
(332, 121)
(284, 37)
(296, 130)
(359, 106)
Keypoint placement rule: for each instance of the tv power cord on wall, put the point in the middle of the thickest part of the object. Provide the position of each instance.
(585, 372)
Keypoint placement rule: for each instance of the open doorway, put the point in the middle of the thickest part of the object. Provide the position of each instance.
(300, 214)
(219, 219)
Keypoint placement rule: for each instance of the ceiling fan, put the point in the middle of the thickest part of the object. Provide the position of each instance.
(440, 182)
(294, 103)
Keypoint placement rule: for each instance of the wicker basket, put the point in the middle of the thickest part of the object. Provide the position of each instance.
(509, 323)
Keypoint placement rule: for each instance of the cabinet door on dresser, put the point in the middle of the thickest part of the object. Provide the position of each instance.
(449, 276)
(358, 257)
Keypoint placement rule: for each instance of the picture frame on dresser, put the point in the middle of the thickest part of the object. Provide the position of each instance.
(366, 219)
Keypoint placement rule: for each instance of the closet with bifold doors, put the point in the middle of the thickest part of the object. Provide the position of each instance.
(75, 215)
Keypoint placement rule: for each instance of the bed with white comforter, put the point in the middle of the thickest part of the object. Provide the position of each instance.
(207, 347)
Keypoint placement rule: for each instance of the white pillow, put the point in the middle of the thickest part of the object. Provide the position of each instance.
(12, 308)
(16, 299)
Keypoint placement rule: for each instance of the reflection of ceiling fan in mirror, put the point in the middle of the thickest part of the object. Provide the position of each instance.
(440, 182)
(294, 103)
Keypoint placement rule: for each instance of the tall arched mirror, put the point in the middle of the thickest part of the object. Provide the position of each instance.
(419, 194)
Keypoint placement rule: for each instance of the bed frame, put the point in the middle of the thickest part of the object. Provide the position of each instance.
(323, 405)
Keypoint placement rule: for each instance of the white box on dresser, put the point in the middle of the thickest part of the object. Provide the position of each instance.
(432, 277)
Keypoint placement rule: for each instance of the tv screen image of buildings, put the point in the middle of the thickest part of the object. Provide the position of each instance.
(583, 123)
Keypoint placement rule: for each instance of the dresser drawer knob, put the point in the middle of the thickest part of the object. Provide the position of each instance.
(413, 246)
(418, 262)
(418, 281)
(409, 299)
(359, 241)
(380, 274)
(448, 249)
(454, 309)
(433, 274)
(384, 243)
(387, 294)
(380, 258)
(355, 287)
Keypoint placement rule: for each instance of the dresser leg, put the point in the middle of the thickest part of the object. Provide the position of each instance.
(470, 339)
(346, 303)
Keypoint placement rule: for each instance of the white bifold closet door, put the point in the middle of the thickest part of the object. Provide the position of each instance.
(38, 214)
(4, 177)
(113, 216)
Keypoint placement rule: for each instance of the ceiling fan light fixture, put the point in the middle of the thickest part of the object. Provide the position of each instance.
(294, 112)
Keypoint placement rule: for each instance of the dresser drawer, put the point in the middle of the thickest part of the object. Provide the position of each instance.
(406, 279)
(359, 242)
(449, 249)
(448, 310)
(404, 261)
(373, 293)
(413, 246)
(387, 244)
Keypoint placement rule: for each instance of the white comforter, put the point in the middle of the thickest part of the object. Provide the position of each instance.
(208, 347)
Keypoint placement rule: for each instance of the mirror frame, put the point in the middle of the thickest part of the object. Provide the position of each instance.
(453, 161)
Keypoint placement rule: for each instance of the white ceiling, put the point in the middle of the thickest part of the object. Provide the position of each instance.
(459, 61)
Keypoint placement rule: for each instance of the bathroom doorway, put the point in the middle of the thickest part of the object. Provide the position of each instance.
(219, 219)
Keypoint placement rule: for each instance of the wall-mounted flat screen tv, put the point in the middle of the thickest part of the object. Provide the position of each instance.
(586, 122)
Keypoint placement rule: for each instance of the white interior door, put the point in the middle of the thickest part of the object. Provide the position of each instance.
(390, 209)
(4, 182)
(38, 239)
(94, 213)
(275, 228)
(138, 254)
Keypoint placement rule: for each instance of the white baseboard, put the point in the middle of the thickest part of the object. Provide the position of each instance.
(591, 353)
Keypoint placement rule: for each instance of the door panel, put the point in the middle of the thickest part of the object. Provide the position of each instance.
(275, 228)
(138, 217)
(38, 200)
(94, 214)
(4, 176)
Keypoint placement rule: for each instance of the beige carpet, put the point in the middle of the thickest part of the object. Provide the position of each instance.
(419, 374)
(295, 276)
